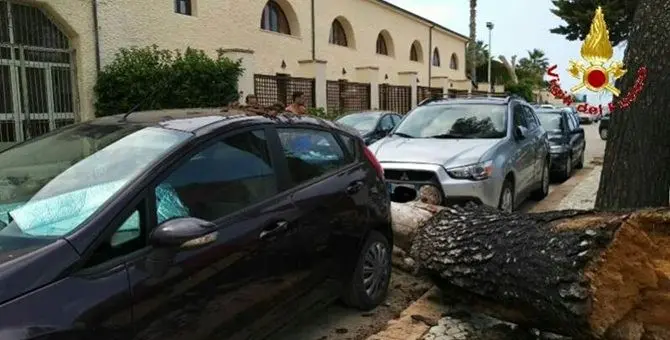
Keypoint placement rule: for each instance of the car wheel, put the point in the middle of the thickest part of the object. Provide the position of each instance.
(567, 169)
(603, 134)
(506, 202)
(580, 163)
(368, 285)
(543, 191)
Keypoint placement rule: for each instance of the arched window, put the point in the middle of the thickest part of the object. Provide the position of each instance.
(436, 57)
(453, 63)
(337, 34)
(413, 53)
(274, 19)
(381, 45)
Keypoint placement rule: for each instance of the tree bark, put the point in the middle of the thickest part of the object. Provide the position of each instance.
(510, 66)
(637, 154)
(577, 273)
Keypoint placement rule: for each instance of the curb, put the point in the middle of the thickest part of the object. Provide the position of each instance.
(408, 326)
(553, 200)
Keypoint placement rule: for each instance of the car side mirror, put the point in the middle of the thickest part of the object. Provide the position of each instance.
(184, 233)
(520, 132)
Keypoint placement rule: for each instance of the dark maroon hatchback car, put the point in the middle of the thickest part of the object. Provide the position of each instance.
(186, 225)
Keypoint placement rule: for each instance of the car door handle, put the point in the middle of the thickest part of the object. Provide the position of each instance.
(274, 230)
(354, 187)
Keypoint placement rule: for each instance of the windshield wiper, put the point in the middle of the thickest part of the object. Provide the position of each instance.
(448, 136)
(402, 135)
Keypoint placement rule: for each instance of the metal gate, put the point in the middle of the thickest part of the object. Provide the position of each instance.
(37, 78)
(343, 96)
(395, 98)
(280, 88)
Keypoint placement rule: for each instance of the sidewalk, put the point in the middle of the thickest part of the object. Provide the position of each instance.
(430, 319)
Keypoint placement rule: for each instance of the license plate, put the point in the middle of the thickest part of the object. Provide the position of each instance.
(391, 186)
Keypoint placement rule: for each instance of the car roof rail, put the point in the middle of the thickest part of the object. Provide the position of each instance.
(448, 96)
(513, 96)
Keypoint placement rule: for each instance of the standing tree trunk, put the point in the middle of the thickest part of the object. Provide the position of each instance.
(472, 46)
(637, 156)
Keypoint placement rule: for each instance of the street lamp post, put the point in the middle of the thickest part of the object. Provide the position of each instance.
(489, 25)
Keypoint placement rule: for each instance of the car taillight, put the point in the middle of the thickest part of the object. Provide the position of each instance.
(375, 163)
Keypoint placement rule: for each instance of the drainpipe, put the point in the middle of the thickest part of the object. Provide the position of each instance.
(430, 55)
(313, 34)
(96, 35)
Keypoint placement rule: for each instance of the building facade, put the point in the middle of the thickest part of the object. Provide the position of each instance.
(344, 55)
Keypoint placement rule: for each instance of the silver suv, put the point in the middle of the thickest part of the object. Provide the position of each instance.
(487, 150)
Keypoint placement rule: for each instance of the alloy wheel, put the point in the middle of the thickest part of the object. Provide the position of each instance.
(376, 269)
(568, 167)
(603, 134)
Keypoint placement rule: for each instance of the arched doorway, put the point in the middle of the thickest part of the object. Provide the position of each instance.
(36, 74)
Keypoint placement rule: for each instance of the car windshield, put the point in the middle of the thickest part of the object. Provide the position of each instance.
(363, 122)
(550, 120)
(455, 121)
(50, 185)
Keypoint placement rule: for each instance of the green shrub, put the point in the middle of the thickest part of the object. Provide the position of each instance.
(163, 79)
(522, 89)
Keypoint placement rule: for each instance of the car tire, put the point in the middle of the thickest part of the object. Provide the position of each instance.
(506, 201)
(580, 163)
(543, 191)
(375, 256)
(567, 169)
(604, 133)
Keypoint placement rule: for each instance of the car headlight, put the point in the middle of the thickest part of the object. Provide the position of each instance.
(557, 148)
(477, 172)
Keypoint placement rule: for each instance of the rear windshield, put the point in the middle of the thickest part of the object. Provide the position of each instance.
(550, 120)
(361, 122)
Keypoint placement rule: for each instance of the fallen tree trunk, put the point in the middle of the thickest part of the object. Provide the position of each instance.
(578, 273)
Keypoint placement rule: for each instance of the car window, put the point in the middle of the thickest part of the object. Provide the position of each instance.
(351, 145)
(455, 121)
(386, 123)
(127, 238)
(310, 153)
(572, 123)
(551, 121)
(362, 122)
(228, 176)
(519, 116)
(530, 117)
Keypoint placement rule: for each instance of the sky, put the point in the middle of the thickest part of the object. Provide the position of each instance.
(519, 26)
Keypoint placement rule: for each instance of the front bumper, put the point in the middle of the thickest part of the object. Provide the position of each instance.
(454, 191)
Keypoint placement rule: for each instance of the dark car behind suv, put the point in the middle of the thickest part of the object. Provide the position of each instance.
(566, 141)
(173, 225)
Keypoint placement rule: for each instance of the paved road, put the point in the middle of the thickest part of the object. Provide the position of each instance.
(595, 147)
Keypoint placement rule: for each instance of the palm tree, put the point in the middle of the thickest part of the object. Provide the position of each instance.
(472, 45)
(538, 59)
